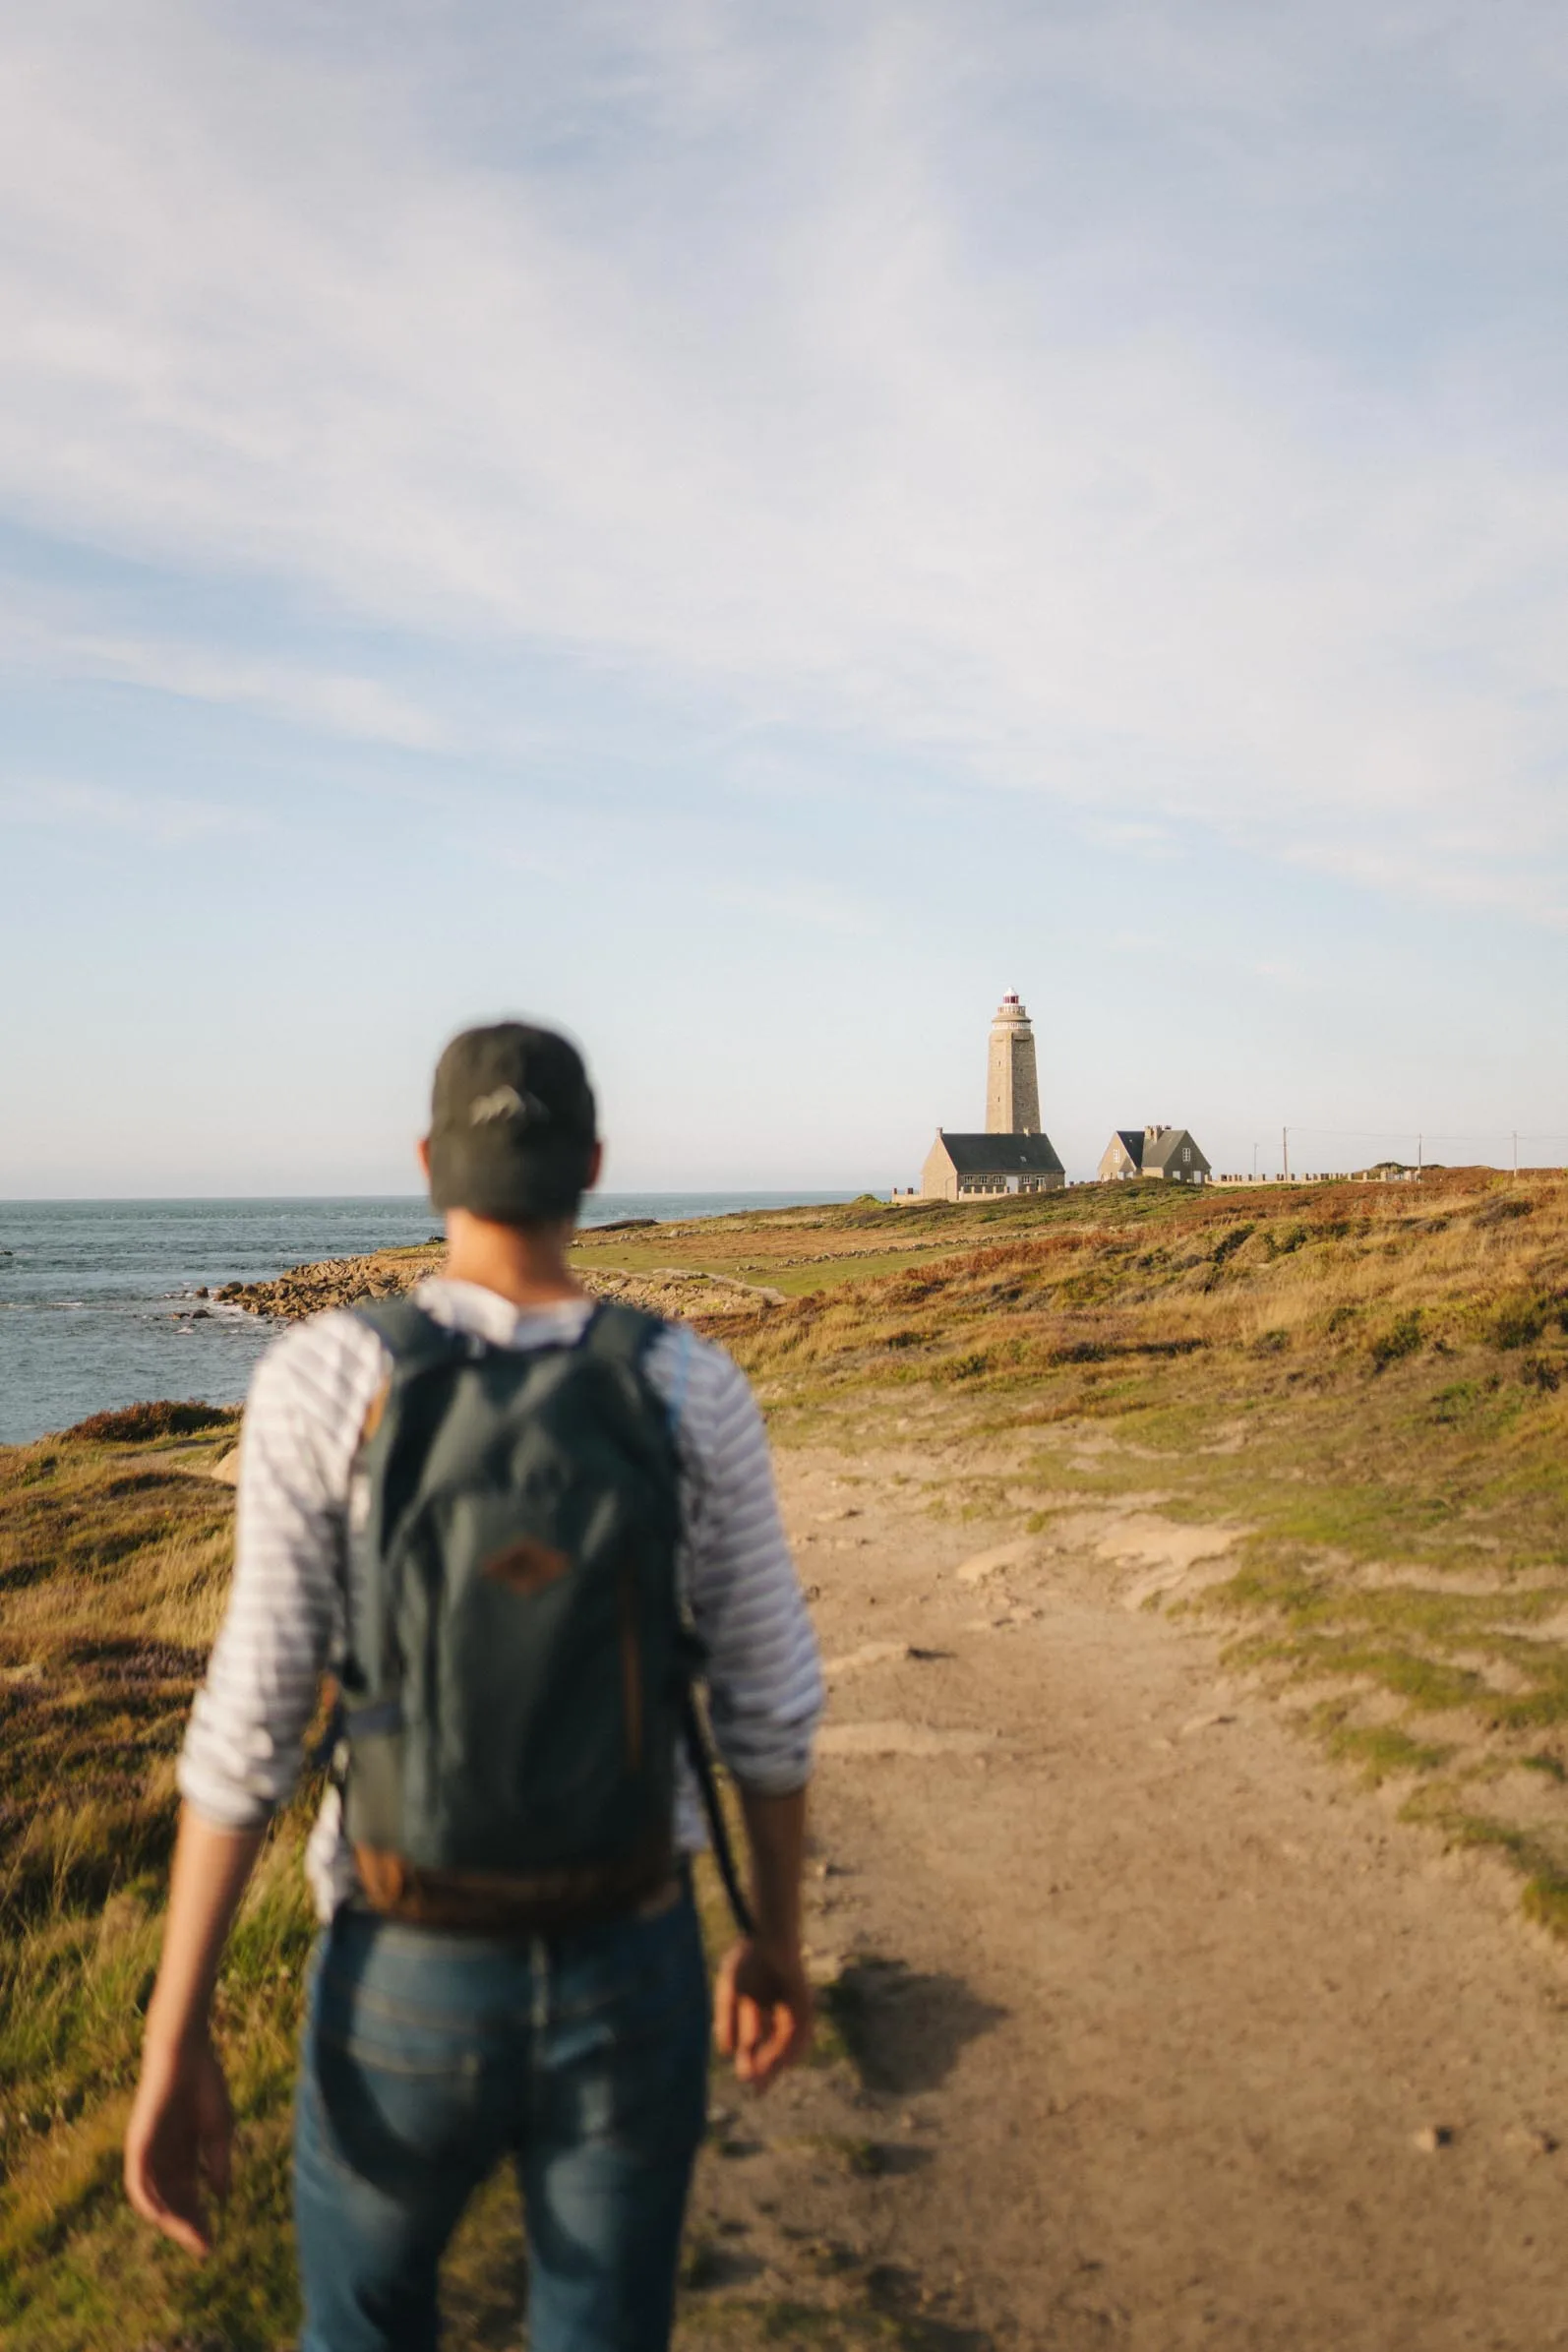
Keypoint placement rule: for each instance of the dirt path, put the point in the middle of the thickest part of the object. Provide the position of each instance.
(1166, 2007)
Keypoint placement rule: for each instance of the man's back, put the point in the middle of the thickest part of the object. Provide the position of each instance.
(579, 2047)
(308, 1404)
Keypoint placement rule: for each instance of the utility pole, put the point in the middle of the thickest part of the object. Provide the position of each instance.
(1516, 1150)
(1254, 1164)
(1285, 1151)
(1420, 1160)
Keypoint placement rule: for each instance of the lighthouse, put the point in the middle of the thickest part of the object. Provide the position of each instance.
(1015, 1154)
(1013, 1086)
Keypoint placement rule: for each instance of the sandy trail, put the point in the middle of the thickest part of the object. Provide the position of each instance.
(1172, 2003)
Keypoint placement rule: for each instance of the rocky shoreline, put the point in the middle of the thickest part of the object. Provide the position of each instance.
(674, 1290)
(333, 1282)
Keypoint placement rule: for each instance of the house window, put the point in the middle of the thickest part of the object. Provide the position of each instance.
(1186, 1154)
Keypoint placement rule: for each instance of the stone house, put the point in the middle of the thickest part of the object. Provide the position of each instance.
(1167, 1152)
(965, 1167)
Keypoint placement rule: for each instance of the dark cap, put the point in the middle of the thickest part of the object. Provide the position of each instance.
(512, 1125)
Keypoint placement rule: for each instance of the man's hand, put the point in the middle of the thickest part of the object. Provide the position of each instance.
(178, 2139)
(761, 2011)
(180, 2125)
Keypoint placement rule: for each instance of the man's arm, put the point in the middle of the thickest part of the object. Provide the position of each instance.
(178, 2136)
(765, 1696)
(762, 2001)
(243, 1747)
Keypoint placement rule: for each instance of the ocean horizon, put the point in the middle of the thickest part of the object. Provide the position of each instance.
(101, 1301)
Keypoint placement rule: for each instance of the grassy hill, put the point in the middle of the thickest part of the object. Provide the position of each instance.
(1370, 1383)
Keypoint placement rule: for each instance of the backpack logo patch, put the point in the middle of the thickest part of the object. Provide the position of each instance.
(528, 1566)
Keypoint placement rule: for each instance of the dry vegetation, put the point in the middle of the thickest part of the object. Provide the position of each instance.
(114, 1552)
(114, 1564)
(1371, 1381)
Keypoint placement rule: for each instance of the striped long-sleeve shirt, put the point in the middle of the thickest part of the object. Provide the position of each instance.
(285, 1626)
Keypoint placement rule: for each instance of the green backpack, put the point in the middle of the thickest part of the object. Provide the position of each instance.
(518, 1668)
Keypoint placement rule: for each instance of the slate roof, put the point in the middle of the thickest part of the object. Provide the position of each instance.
(1132, 1141)
(1001, 1155)
(1160, 1150)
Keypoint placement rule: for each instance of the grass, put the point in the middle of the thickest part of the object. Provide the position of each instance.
(1381, 1750)
(1371, 1382)
(114, 1553)
(113, 1563)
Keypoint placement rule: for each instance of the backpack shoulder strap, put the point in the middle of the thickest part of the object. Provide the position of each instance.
(628, 1335)
(618, 1334)
(411, 1337)
(624, 1334)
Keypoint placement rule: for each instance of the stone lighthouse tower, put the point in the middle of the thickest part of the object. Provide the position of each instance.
(1012, 1088)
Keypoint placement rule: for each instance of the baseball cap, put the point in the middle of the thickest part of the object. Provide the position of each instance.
(512, 1125)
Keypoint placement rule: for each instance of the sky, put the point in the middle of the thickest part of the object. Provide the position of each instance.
(747, 531)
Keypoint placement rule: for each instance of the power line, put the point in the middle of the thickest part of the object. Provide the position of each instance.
(1404, 1135)
(1512, 1137)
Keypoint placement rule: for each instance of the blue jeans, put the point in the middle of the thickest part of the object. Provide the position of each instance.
(429, 2058)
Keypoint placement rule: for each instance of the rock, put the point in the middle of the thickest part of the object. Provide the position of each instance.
(900, 1739)
(1018, 1554)
(1530, 2141)
(1432, 2137)
(333, 1282)
(869, 1653)
(386, 1274)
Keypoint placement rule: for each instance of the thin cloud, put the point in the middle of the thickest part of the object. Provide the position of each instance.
(828, 369)
(801, 905)
(1535, 896)
(1135, 836)
(169, 817)
(365, 709)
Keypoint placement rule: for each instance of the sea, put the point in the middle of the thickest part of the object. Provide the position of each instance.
(101, 1300)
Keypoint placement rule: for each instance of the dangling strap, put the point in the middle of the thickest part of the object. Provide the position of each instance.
(697, 1747)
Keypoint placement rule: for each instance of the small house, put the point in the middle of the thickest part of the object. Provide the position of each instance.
(967, 1167)
(1167, 1152)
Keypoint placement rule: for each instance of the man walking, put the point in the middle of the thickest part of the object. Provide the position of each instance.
(509, 1522)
